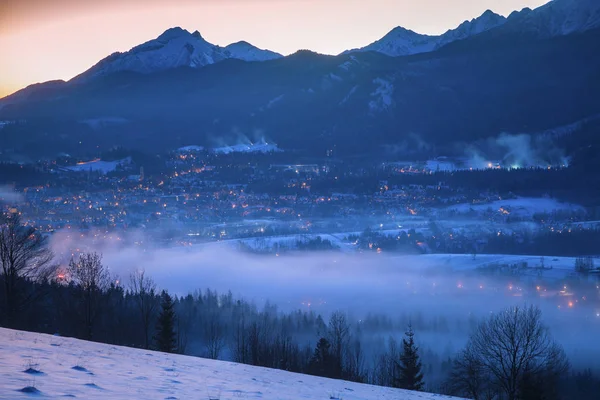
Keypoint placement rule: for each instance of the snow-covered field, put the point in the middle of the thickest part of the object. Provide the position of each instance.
(61, 367)
(192, 148)
(522, 207)
(99, 166)
(554, 267)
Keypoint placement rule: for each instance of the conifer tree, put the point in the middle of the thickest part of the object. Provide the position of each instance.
(409, 375)
(165, 326)
(322, 363)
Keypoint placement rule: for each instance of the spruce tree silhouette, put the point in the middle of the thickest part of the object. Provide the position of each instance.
(165, 326)
(410, 376)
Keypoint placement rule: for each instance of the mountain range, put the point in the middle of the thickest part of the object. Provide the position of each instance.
(556, 18)
(532, 71)
(175, 48)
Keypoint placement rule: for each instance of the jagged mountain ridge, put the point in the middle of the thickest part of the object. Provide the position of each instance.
(402, 42)
(175, 48)
(556, 18)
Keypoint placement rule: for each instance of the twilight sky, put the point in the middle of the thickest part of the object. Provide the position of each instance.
(41, 40)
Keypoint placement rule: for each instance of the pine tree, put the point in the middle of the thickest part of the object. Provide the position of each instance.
(409, 374)
(321, 363)
(165, 326)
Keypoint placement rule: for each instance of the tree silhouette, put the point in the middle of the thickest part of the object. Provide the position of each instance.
(511, 355)
(165, 328)
(322, 362)
(409, 368)
(91, 278)
(143, 289)
(23, 256)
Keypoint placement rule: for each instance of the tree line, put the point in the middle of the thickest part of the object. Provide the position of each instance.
(510, 355)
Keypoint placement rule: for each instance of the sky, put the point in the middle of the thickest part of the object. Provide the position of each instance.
(42, 40)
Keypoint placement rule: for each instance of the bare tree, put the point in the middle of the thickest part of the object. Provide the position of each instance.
(355, 362)
(143, 289)
(339, 336)
(508, 353)
(240, 340)
(214, 335)
(24, 255)
(385, 365)
(469, 378)
(88, 274)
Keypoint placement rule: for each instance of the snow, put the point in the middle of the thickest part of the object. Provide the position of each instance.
(382, 95)
(76, 368)
(557, 18)
(522, 206)
(175, 48)
(401, 42)
(245, 51)
(97, 123)
(350, 93)
(188, 149)
(335, 77)
(348, 64)
(487, 21)
(557, 268)
(264, 243)
(275, 100)
(262, 147)
(98, 166)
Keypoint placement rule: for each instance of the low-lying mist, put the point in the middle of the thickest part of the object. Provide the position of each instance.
(518, 151)
(400, 287)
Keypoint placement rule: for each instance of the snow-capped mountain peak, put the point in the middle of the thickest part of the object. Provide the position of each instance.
(487, 21)
(176, 47)
(245, 51)
(401, 41)
(173, 33)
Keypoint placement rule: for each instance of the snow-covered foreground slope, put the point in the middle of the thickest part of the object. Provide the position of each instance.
(75, 368)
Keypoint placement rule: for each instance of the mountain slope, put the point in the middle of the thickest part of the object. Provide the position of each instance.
(175, 48)
(75, 368)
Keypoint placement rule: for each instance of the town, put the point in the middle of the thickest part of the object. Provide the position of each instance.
(192, 196)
